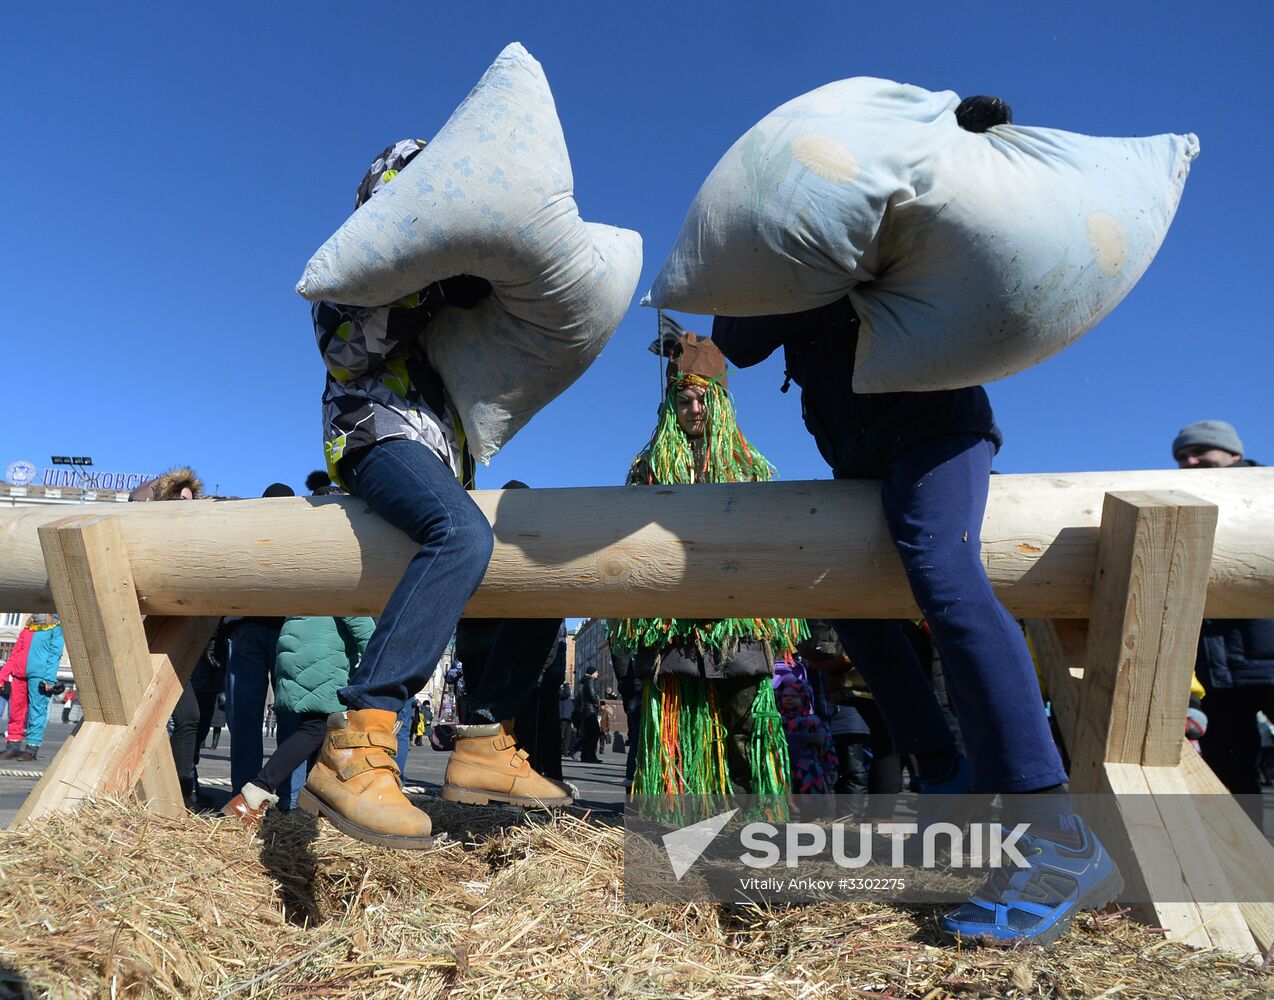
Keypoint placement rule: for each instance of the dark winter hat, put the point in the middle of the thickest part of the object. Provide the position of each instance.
(279, 490)
(386, 167)
(1212, 433)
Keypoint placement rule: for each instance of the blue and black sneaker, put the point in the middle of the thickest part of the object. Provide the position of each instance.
(1036, 904)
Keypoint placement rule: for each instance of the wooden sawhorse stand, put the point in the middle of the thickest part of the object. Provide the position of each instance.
(1120, 686)
(129, 673)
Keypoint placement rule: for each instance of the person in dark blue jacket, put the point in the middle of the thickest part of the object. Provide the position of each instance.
(933, 451)
(1235, 663)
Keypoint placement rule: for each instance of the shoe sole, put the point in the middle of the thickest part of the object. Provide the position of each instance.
(308, 802)
(1102, 894)
(482, 797)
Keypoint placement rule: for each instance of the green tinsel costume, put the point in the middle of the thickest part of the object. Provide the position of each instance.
(685, 746)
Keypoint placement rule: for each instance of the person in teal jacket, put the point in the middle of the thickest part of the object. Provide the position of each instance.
(313, 661)
(43, 657)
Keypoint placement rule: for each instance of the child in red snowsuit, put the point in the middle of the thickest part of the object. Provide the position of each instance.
(14, 673)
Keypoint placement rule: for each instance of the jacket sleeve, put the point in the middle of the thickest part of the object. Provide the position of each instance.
(357, 630)
(748, 341)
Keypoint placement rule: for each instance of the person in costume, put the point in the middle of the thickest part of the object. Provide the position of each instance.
(706, 723)
(43, 656)
(394, 441)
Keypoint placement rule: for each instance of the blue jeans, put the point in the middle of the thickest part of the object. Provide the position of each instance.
(409, 486)
(290, 787)
(404, 739)
(934, 497)
(249, 669)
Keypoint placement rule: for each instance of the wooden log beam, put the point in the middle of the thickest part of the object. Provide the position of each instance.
(801, 548)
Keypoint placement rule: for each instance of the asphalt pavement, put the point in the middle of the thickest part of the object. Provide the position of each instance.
(601, 786)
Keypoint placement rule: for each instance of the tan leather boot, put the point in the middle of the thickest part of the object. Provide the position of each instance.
(487, 766)
(355, 784)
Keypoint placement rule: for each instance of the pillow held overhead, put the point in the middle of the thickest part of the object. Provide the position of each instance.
(968, 256)
(491, 195)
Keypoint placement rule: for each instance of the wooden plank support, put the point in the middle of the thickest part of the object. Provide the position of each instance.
(1154, 551)
(129, 674)
(1123, 716)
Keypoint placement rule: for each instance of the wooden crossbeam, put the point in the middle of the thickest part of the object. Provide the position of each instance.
(129, 673)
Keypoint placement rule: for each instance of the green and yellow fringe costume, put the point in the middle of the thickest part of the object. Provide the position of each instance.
(681, 748)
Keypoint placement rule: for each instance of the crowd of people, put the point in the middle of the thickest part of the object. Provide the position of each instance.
(766, 706)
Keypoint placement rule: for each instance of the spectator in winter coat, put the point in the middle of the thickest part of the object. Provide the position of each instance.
(43, 657)
(14, 674)
(315, 659)
(810, 748)
(589, 704)
(250, 645)
(1235, 662)
(180, 483)
(565, 709)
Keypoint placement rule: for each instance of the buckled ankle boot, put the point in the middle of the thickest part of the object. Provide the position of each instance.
(355, 785)
(487, 766)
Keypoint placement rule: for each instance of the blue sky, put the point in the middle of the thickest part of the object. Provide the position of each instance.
(169, 169)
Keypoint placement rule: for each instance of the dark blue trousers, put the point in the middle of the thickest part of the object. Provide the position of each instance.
(934, 497)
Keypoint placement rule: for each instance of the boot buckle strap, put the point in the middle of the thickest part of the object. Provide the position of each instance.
(346, 740)
(519, 758)
(370, 762)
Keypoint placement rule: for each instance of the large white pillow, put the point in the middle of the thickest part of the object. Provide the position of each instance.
(968, 256)
(491, 195)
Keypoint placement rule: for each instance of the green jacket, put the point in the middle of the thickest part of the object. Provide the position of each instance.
(313, 660)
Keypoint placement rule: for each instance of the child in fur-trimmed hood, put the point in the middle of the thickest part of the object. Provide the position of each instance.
(179, 483)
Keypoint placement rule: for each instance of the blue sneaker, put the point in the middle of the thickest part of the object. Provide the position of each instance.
(1037, 904)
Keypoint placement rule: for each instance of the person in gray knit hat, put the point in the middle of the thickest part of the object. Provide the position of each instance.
(1235, 660)
(1207, 444)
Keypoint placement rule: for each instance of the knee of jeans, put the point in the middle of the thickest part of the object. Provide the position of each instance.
(941, 584)
(471, 532)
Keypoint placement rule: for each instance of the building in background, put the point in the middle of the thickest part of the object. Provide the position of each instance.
(593, 650)
(38, 496)
(570, 658)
